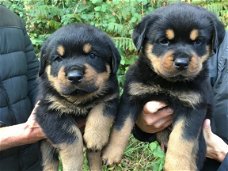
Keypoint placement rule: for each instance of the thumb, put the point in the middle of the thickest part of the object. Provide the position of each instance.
(207, 128)
(153, 106)
(35, 108)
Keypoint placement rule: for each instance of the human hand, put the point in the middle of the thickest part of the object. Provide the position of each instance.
(155, 117)
(32, 124)
(32, 128)
(216, 147)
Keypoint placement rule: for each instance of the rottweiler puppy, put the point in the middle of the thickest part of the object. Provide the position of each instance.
(175, 43)
(77, 79)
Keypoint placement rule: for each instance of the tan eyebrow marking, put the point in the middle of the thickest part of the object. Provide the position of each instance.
(60, 50)
(170, 34)
(87, 47)
(194, 34)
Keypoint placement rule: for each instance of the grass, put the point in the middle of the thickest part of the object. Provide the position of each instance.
(138, 156)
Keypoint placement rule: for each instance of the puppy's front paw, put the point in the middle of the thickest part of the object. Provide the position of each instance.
(95, 140)
(111, 156)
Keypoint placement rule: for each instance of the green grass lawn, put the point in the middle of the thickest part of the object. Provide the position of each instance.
(138, 156)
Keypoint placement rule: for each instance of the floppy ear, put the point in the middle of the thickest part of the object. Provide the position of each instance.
(218, 32)
(141, 30)
(115, 58)
(43, 59)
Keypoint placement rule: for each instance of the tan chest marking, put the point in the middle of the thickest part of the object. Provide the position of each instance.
(190, 98)
(64, 107)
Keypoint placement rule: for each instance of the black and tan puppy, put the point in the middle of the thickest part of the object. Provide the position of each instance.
(77, 79)
(175, 43)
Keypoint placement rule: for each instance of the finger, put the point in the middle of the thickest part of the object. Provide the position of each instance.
(207, 124)
(207, 128)
(162, 115)
(159, 128)
(163, 123)
(37, 103)
(168, 123)
(151, 119)
(35, 108)
(165, 112)
(153, 106)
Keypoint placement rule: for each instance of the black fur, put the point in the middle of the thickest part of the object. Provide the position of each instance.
(170, 86)
(71, 95)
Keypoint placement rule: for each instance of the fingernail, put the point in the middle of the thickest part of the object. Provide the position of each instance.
(207, 123)
(169, 110)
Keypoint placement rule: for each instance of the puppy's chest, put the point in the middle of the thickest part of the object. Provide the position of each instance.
(65, 107)
(186, 96)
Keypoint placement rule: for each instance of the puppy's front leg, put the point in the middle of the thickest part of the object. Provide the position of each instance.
(94, 159)
(121, 131)
(118, 141)
(97, 127)
(49, 156)
(71, 153)
(63, 137)
(97, 130)
(183, 145)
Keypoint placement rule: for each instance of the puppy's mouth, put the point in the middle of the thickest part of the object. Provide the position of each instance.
(75, 90)
(178, 75)
(179, 78)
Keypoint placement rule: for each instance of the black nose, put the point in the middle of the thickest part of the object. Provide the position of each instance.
(75, 76)
(181, 63)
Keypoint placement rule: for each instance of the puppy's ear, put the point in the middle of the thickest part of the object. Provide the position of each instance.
(140, 30)
(115, 58)
(43, 58)
(218, 32)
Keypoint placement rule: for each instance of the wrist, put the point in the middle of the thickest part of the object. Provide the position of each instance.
(33, 133)
(220, 155)
(223, 154)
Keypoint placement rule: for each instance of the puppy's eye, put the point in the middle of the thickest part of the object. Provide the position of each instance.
(197, 42)
(57, 58)
(92, 56)
(164, 41)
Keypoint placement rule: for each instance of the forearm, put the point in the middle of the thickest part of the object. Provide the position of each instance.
(17, 135)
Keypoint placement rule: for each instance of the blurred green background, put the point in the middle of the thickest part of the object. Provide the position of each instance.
(117, 18)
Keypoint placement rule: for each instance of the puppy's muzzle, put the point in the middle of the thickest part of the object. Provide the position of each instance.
(181, 59)
(181, 63)
(75, 76)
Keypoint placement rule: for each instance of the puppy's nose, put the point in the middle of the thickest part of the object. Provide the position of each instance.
(181, 63)
(75, 76)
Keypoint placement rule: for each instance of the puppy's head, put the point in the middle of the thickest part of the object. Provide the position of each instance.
(178, 39)
(78, 59)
